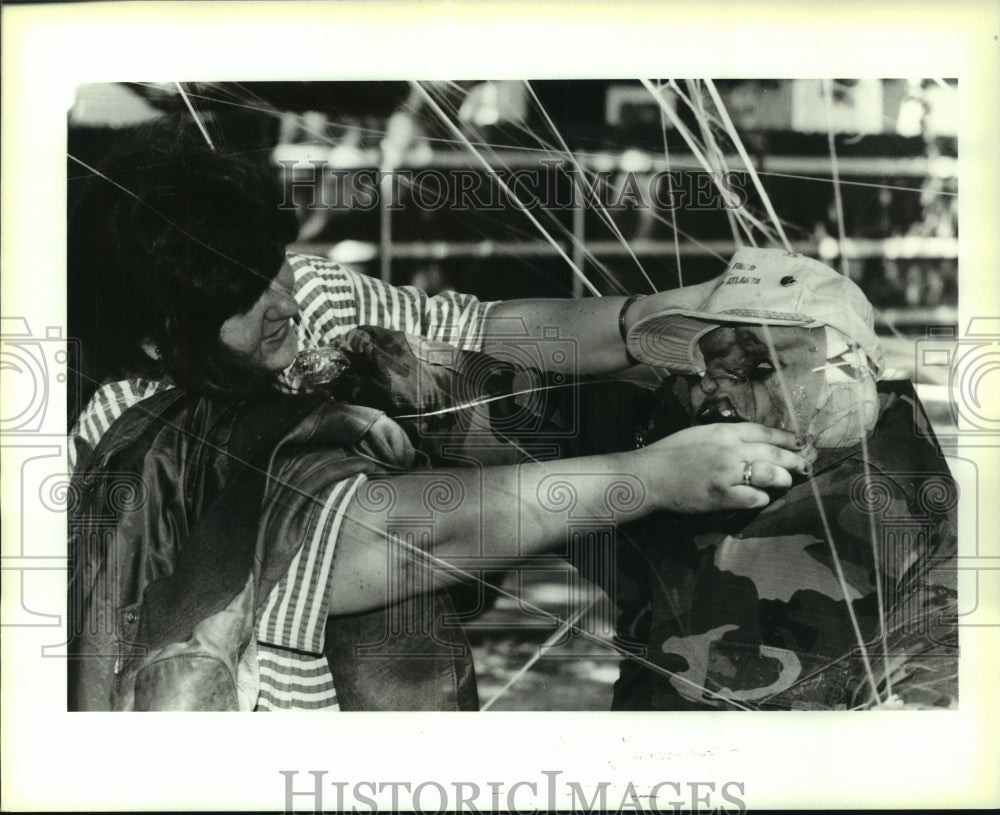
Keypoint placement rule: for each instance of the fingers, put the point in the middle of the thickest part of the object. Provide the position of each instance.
(765, 475)
(741, 497)
(751, 432)
(402, 448)
(397, 444)
(388, 442)
(777, 456)
(722, 467)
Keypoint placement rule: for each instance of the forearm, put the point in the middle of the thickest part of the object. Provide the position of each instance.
(399, 532)
(594, 324)
(590, 324)
(474, 520)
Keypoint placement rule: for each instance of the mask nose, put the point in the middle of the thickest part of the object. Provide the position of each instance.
(721, 393)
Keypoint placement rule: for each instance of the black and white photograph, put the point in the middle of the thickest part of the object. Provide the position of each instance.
(645, 408)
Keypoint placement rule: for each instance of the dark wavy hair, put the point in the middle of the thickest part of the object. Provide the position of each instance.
(187, 237)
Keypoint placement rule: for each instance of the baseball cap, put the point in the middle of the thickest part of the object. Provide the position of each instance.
(759, 286)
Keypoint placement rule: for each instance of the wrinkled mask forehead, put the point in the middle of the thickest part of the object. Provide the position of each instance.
(793, 345)
(799, 344)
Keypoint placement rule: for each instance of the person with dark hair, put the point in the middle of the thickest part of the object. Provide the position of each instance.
(254, 514)
(186, 240)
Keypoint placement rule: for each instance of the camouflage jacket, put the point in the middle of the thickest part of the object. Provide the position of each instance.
(742, 610)
(747, 610)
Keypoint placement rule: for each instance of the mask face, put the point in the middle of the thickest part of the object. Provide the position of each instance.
(741, 381)
(829, 393)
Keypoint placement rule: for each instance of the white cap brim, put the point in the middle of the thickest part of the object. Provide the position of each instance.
(669, 339)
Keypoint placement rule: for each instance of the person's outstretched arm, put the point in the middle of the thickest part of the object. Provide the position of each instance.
(333, 299)
(497, 515)
(592, 323)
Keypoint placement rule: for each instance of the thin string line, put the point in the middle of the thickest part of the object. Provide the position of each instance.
(683, 130)
(592, 191)
(541, 651)
(451, 126)
(605, 216)
(688, 237)
(842, 236)
(713, 150)
(768, 233)
(838, 568)
(838, 200)
(738, 143)
(587, 155)
(726, 124)
(566, 232)
(670, 193)
(549, 151)
(194, 113)
(849, 183)
(694, 147)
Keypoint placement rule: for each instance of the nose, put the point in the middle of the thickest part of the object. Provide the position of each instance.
(281, 307)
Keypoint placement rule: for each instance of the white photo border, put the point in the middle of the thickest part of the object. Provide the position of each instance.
(62, 761)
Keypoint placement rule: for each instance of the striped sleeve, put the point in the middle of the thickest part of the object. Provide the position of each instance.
(289, 679)
(293, 681)
(109, 402)
(294, 615)
(333, 300)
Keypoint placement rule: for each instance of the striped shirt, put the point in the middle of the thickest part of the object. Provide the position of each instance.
(293, 672)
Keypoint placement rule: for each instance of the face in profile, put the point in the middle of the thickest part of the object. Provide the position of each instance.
(264, 334)
(741, 381)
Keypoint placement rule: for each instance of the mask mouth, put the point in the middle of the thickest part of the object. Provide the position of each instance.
(718, 410)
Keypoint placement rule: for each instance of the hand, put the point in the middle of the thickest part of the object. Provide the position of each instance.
(691, 296)
(388, 442)
(701, 469)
